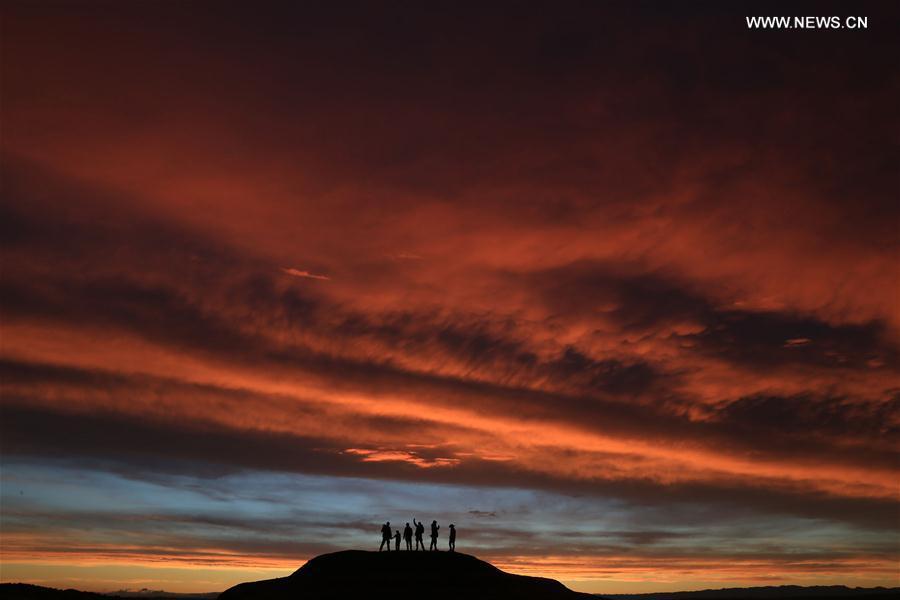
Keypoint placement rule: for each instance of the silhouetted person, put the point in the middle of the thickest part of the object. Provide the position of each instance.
(420, 531)
(397, 540)
(434, 535)
(407, 536)
(452, 537)
(385, 536)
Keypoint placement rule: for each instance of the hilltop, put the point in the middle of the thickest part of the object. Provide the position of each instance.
(374, 575)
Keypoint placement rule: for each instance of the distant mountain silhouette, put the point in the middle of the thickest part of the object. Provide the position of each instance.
(26, 591)
(356, 574)
(157, 594)
(769, 592)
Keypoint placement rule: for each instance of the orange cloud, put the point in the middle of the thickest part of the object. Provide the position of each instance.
(673, 289)
(306, 274)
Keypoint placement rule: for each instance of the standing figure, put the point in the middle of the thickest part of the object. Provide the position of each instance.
(420, 531)
(452, 537)
(385, 536)
(407, 536)
(397, 540)
(434, 535)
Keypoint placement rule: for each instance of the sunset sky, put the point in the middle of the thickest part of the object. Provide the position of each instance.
(612, 286)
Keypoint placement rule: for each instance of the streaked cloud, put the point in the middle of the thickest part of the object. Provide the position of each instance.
(382, 455)
(628, 331)
(298, 273)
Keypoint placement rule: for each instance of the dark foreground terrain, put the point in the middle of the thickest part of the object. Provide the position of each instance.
(354, 574)
(372, 575)
(781, 592)
(25, 591)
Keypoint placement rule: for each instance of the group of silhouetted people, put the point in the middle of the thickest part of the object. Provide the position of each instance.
(419, 531)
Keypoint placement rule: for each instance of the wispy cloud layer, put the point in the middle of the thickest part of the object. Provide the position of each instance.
(525, 286)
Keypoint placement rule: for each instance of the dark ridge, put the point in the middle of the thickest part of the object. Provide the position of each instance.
(26, 591)
(765, 592)
(395, 575)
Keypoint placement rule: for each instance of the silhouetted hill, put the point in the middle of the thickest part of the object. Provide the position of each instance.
(356, 574)
(793, 592)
